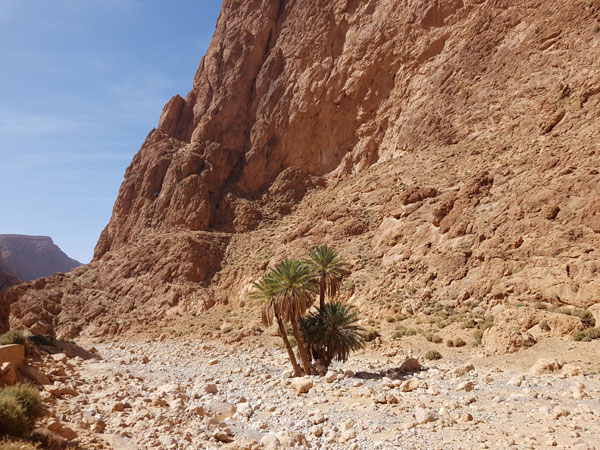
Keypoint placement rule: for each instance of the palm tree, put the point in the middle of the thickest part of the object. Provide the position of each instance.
(333, 331)
(293, 290)
(329, 270)
(263, 290)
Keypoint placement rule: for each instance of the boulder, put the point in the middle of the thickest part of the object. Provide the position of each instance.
(8, 375)
(35, 374)
(62, 430)
(545, 365)
(501, 340)
(424, 415)
(223, 409)
(211, 389)
(292, 439)
(302, 385)
(410, 385)
(270, 442)
(13, 353)
(330, 376)
(60, 357)
(466, 386)
(410, 365)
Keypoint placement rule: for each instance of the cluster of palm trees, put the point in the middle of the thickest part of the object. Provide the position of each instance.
(290, 289)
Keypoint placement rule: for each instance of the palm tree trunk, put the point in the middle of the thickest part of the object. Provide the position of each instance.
(301, 348)
(288, 347)
(321, 293)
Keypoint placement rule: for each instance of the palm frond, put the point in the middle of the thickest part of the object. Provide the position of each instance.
(328, 268)
(334, 330)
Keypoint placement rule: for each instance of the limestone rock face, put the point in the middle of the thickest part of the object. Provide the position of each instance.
(452, 141)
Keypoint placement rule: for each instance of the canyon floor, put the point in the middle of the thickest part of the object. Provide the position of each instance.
(186, 394)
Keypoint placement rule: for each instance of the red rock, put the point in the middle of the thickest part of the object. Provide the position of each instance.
(309, 124)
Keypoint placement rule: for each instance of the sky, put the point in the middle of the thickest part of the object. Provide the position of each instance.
(82, 82)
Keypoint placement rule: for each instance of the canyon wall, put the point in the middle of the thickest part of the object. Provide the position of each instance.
(447, 146)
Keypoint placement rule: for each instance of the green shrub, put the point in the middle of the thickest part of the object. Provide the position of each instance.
(433, 355)
(28, 397)
(40, 339)
(469, 323)
(585, 316)
(477, 336)
(431, 337)
(14, 445)
(12, 337)
(587, 335)
(13, 421)
(486, 323)
(458, 342)
(402, 331)
(371, 335)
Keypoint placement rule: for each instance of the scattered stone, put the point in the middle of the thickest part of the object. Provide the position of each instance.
(270, 442)
(330, 376)
(316, 430)
(410, 365)
(463, 370)
(211, 389)
(35, 374)
(466, 417)
(515, 381)
(466, 386)
(118, 407)
(60, 357)
(570, 370)
(302, 385)
(292, 439)
(545, 365)
(410, 385)
(424, 415)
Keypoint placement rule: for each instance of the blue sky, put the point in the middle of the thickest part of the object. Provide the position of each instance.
(82, 82)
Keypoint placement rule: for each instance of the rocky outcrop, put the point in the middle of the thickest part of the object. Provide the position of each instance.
(449, 146)
(31, 257)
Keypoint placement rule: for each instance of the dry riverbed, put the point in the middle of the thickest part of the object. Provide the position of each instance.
(193, 395)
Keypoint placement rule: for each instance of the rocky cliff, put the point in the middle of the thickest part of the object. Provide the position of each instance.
(448, 147)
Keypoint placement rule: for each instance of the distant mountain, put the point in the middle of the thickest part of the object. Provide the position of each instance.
(29, 257)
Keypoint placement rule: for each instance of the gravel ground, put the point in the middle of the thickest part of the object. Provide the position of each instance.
(178, 395)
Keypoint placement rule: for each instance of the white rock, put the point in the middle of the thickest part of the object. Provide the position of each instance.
(331, 376)
(270, 442)
(316, 430)
(302, 385)
(515, 381)
(424, 415)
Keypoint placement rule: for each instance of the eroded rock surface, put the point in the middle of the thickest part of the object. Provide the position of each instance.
(449, 146)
